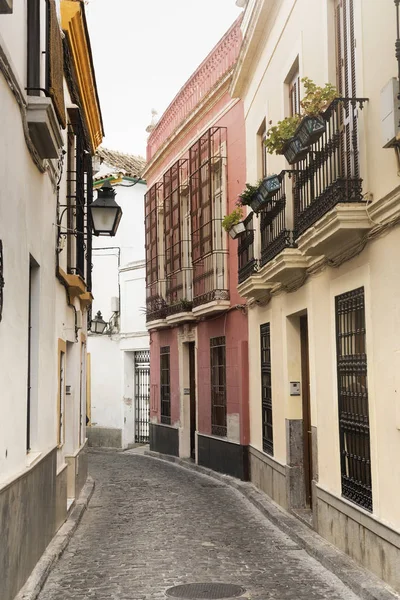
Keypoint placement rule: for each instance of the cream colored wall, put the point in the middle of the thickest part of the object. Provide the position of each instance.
(292, 32)
(374, 270)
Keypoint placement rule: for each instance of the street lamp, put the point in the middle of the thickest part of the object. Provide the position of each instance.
(104, 211)
(98, 324)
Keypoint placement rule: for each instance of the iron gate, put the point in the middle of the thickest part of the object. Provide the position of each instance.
(142, 396)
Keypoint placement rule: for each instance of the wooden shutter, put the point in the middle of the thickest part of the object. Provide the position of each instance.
(55, 64)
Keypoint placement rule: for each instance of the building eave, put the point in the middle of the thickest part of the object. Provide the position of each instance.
(74, 25)
(253, 42)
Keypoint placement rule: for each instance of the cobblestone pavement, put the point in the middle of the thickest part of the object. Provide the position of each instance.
(151, 525)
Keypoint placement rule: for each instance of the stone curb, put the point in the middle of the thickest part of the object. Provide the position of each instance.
(37, 579)
(362, 582)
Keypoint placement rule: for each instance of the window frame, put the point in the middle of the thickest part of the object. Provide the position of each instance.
(266, 389)
(353, 401)
(219, 425)
(165, 386)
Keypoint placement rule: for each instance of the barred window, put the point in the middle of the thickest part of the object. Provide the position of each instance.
(353, 398)
(218, 386)
(165, 385)
(294, 95)
(266, 389)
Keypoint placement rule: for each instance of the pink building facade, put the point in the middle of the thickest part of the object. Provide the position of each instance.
(196, 318)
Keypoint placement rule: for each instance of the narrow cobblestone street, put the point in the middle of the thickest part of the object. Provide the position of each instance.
(151, 525)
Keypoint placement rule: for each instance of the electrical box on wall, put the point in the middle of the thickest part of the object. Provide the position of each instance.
(295, 388)
(114, 304)
(390, 112)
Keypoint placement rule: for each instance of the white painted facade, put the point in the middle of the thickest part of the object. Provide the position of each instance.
(42, 459)
(118, 276)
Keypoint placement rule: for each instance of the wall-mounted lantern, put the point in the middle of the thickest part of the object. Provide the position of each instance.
(105, 213)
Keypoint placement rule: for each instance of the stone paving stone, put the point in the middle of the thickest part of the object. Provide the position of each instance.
(151, 525)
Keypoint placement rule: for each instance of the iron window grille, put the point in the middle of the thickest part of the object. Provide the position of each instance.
(294, 95)
(354, 429)
(178, 266)
(207, 167)
(165, 385)
(78, 185)
(218, 386)
(155, 301)
(266, 390)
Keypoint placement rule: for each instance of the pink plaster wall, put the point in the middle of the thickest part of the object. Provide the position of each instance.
(233, 326)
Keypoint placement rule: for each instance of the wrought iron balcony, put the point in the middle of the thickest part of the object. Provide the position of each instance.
(247, 263)
(156, 306)
(275, 235)
(210, 279)
(330, 173)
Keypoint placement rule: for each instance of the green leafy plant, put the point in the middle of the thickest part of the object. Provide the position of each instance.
(248, 194)
(279, 134)
(316, 98)
(186, 304)
(232, 219)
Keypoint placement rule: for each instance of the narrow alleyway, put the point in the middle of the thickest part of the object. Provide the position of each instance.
(151, 525)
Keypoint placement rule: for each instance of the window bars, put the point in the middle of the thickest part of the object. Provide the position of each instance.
(207, 167)
(266, 389)
(218, 386)
(165, 385)
(353, 398)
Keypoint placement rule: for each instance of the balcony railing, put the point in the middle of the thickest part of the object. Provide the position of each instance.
(246, 261)
(275, 236)
(210, 279)
(156, 306)
(330, 173)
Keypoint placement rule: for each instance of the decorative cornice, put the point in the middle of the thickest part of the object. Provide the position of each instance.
(190, 123)
(73, 23)
(201, 84)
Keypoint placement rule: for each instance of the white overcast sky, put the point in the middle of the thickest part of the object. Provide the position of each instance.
(144, 51)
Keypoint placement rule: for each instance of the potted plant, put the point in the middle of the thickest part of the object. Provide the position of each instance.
(232, 223)
(281, 139)
(248, 196)
(186, 304)
(316, 98)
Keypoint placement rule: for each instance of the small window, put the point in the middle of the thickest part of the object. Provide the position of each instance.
(218, 386)
(294, 95)
(266, 390)
(262, 149)
(34, 48)
(165, 385)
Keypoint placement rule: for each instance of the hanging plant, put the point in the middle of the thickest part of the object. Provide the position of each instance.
(293, 135)
(279, 134)
(232, 222)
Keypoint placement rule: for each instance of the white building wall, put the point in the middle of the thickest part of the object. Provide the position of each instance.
(118, 271)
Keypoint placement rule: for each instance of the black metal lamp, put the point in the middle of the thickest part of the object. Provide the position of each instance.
(105, 213)
(98, 324)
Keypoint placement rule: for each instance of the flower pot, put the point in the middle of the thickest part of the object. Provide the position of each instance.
(294, 150)
(257, 202)
(236, 230)
(270, 186)
(311, 129)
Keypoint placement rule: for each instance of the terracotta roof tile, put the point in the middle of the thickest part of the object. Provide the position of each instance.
(130, 165)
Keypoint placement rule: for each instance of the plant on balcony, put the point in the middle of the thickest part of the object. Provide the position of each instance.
(232, 223)
(293, 135)
(315, 100)
(186, 304)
